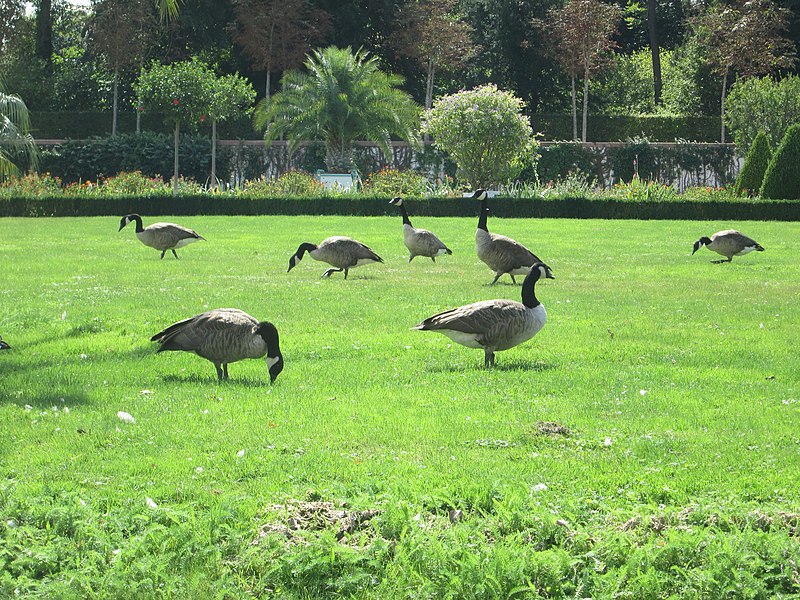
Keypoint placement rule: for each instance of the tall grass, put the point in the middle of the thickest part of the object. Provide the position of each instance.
(672, 467)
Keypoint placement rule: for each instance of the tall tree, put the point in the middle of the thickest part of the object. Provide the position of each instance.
(655, 51)
(745, 40)
(11, 12)
(582, 31)
(432, 34)
(167, 9)
(276, 35)
(342, 97)
(44, 31)
(121, 32)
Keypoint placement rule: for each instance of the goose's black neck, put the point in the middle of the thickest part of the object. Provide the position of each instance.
(305, 247)
(404, 212)
(484, 214)
(138, 220)
(269, 333)
(528, 289)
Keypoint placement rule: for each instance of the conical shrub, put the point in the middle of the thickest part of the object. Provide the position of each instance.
(755, 165)
(782, 179)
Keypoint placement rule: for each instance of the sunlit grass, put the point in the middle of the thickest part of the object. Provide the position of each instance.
(676, 378)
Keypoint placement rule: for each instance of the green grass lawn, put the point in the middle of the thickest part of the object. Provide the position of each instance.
(673, 470)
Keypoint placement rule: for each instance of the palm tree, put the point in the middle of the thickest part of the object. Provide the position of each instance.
(343, 97)
(17, 147)
(167, 9)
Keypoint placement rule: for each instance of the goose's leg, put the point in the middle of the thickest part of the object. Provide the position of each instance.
(496, 277)
(488, 358)
(345, 273)
(330, 272)
(225, 370)
(512, 278)
(175, 253)
(162, 254)
(433, 258)
(219, 370)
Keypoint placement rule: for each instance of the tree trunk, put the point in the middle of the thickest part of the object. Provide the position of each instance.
(655, 52)
(585, 101)
(175, 174)
(339, 157)
(269, 83)
(44, 31)
(115, 109)
(429, 92)
(214, 184)
(722, 106)
(574, 111)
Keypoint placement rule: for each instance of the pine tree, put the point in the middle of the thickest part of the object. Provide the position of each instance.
(782, 179)
(755, 165)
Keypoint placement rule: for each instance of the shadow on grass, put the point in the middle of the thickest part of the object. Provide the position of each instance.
(500, 365)
(200, 378)
(47, 398)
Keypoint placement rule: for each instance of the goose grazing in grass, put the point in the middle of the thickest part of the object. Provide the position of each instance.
(500, 253)
(223, 336)
(3, 345)
(342, 253)
(161, 236)
(728, 243)
(420, 242)
(495, 325)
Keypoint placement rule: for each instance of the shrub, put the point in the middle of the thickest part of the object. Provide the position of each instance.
(291, 183)
(32, 184)
(756, 105)
(391, 182)
(782, 179)
(133, 182)
(755, 165)
(484, 132)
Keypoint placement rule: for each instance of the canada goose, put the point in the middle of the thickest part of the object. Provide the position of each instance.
(728, 243)
(3, 345)
(500, 253)
(223, 336)
(495, 324)
(161, 236)
(420, 242)
(343, 253)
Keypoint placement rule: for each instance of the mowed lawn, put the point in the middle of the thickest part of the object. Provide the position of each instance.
(646, 442)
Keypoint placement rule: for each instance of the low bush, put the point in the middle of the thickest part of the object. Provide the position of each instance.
(755, 165)
(292, 183)
(393, 182)
(782, 179)
(31, 185)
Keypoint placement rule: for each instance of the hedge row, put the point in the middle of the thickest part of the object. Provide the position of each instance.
(575, 208)
(83, 125)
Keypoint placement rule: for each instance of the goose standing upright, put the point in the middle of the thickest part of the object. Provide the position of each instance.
(223, 336)
(728, 243)
(500, 253)
(420, 242)
(161, 236)
(3, 345)
(342, 253)
(495, 325)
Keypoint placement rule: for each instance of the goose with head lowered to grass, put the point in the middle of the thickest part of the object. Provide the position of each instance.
(500, 253)
(223, 336)
(728, 243)
(161, 236)
(495, 325)
(342, 253)
(420, 242)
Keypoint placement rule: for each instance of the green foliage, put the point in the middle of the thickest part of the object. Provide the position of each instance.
(230, 98)
(180, 92)
(292, 183)
(342, 97)
(150, 153)
(18, 151)
(782, 178)
(32, 185)
(393, 182)
(755, 165)
(484, 132)
(762, 105)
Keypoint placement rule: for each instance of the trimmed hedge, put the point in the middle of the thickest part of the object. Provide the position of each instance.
(573, 208)
(607, 128)
(782, 178)
(755, 165)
